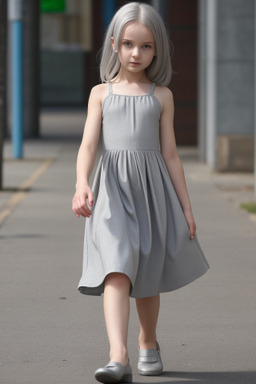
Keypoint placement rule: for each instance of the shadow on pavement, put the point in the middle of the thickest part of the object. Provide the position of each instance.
(206, 378)
(23, 236)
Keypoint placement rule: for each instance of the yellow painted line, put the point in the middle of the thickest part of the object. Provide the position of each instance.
(23, 189)
(4, 214)
(253, 217)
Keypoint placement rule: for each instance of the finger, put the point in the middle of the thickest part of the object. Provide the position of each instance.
(192, 230)
(74, 209)
(85, 211)
(90, 199)
(76, 213)
(81, 209)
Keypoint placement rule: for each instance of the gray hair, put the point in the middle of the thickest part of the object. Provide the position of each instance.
(160, 70)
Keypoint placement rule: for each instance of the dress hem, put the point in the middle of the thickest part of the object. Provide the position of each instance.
(99, 289)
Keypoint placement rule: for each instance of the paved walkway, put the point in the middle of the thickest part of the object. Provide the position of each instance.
(52, 334)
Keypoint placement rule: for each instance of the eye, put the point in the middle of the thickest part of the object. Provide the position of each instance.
(127, 44)
(147, 46)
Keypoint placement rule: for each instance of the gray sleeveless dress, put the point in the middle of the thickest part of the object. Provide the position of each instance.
(137, 226)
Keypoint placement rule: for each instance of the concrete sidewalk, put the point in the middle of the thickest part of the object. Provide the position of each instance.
(52, 334)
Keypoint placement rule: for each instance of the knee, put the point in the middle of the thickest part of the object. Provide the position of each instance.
(117, 280)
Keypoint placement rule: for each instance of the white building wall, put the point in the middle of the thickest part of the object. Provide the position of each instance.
(226, 83)
(207, 59)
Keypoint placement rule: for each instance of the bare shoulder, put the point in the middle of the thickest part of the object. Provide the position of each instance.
(98, 93)
(164, 95)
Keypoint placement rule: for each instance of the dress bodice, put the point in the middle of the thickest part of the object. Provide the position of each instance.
(131, 122)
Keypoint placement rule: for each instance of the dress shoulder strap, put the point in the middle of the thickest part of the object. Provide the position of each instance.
(110, 91)
(152, 90)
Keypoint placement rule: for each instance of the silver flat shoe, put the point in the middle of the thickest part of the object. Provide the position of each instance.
(114, 373)
(150, 362)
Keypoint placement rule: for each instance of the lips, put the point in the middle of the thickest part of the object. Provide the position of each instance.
(134, 63)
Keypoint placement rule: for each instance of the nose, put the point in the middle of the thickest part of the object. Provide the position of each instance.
(136, 52)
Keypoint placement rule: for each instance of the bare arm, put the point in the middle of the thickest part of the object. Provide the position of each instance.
(171, 158)
(86, 156)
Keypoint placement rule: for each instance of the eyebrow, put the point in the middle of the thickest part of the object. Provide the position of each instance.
(145, 42)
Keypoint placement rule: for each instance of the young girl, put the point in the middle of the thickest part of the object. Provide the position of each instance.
(140, 232)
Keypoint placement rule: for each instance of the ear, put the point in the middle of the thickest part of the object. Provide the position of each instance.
(112, 43)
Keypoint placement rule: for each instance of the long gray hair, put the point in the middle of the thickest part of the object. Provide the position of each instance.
(160, 70)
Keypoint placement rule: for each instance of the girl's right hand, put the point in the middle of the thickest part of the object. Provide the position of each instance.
(79, 202)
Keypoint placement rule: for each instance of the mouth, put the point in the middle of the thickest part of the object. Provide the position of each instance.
(135, 63)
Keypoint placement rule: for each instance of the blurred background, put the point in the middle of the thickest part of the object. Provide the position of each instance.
(213, 68)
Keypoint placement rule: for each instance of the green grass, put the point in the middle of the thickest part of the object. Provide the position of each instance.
(250, 207)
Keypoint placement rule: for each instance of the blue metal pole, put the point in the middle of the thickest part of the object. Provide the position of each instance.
(108, 11)
(17, 88)
(15, 16)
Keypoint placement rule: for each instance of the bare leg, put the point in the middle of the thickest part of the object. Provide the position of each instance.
(148, 310)
(117, 312)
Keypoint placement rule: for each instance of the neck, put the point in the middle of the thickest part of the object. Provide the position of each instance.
(129, 77)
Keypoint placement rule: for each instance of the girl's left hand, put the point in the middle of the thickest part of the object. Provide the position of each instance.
(191, 223)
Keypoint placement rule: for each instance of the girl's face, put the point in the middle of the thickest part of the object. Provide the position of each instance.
(137, 47)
